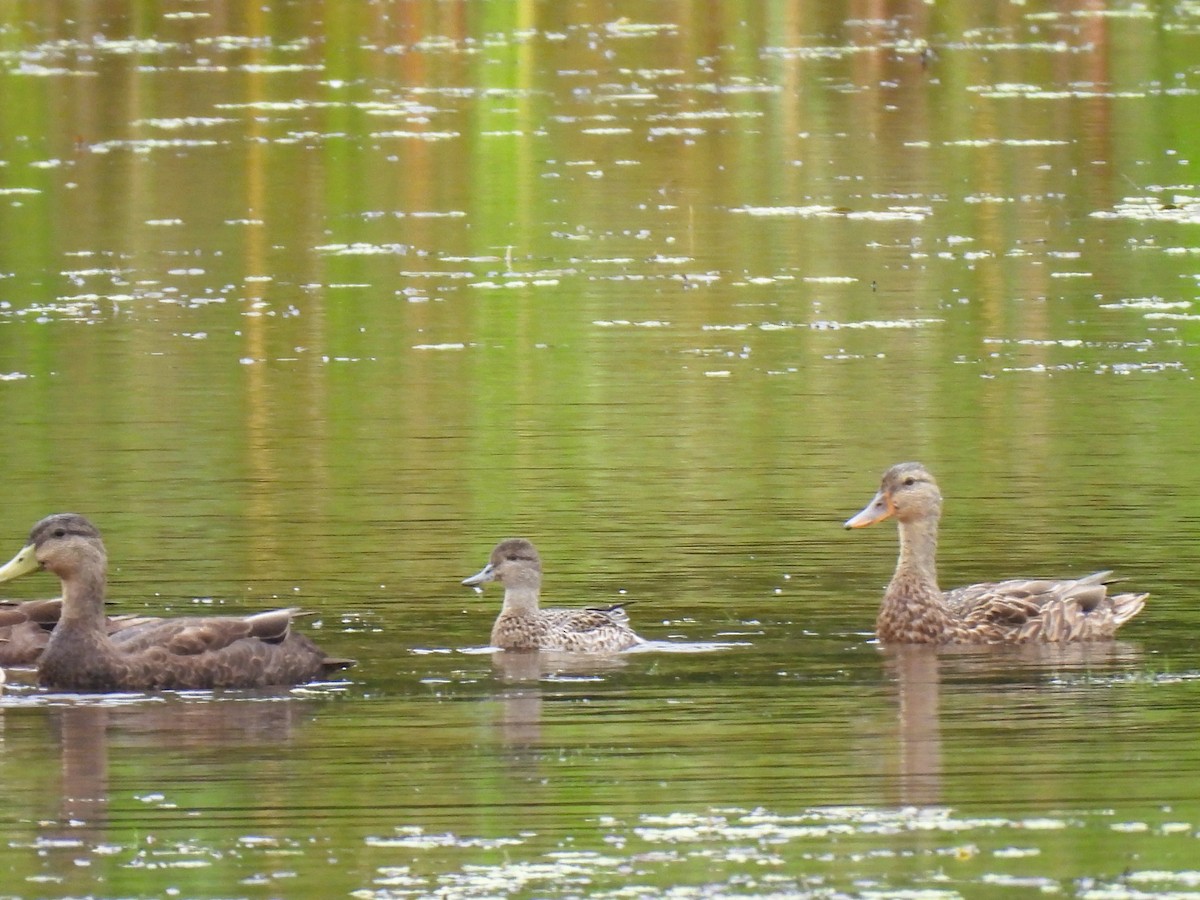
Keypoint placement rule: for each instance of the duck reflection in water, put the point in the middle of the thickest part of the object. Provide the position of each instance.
(175, 734)
(920, 669)
(919, 736)
(524, 676)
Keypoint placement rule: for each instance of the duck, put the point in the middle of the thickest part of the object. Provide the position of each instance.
(915, 611)
(190, 653)
(521, 625)
(26, 625)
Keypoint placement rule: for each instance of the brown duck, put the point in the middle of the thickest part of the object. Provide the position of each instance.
(158, 654)
(521, 625)
(25, 627)
(915, 611)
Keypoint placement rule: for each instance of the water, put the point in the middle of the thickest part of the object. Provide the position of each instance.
(312, 309)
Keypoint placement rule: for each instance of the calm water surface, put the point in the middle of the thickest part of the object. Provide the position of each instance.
(311, 305)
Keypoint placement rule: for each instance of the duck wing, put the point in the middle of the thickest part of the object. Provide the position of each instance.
(1046, 610)
(601, 629)
(219, 651)
(614, 614)
(203, 634)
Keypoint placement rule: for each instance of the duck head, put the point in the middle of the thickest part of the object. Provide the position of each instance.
(63, 544)
(514, 563)
(907, 492)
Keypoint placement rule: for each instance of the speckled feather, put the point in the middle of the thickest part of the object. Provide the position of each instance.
(522, 625)
(191, 653)
(573, 630)
(915, 610)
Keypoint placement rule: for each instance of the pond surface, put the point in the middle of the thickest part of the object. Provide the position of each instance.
(312, 304)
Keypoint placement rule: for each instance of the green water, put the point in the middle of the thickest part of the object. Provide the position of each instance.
(312, 304)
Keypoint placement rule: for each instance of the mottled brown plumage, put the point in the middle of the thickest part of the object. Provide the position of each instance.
(521, 625)
(156, 654)
(915, 611)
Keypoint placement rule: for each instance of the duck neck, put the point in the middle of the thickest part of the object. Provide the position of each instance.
(520, 600)
(80, 655)
(918, 554)
(83, 600)
(913, 610)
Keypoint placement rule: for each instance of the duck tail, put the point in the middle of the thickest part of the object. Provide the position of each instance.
(1126, 606)
(331, 664)
(615, 607)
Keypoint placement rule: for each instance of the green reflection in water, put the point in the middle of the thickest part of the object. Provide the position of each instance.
(313, 305)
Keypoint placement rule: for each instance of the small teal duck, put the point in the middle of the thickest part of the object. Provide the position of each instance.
(521, 625)
(157, 654)
(916, 611)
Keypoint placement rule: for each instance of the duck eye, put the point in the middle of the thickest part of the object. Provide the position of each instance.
(909, 481)
(60, 532)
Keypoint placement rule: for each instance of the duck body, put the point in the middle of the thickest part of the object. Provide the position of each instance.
(603, 630)
(915, 611)
(198, 653)
(523, 625)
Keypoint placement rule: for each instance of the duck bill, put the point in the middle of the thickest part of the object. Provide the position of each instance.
(483, 576)
(21, 564)
(876, 511)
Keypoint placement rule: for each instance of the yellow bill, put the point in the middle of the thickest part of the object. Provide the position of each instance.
(22, 564)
